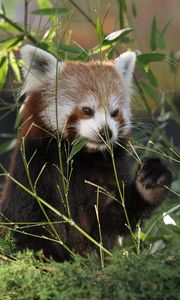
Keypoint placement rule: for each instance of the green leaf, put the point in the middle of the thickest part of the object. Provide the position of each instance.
(14, 65)
(134, 11)
(48, 4)
(99, 30)
(157, 39)
(44, 3)
(3, 70)
(161, 44)
(162, 33)
(8, 27)
(153, 35)
(69, 49)
(122, 12)
(152, 78)
(151, 92)
(117, 35)
(100, 49)
(51, 11)
(49, 35)
(176, 186)
(151, 57)
(5, 247)
(10, 43)
(7, 146)
(77, 145)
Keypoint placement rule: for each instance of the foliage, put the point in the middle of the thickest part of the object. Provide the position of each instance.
(119, 280)
(124, 277)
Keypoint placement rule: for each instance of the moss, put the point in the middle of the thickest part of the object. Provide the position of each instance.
(124, 277)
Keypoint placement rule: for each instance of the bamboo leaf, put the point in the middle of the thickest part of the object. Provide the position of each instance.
(3, 70)
(51, 11)
(151, 92)
(100, 49)
(8, 27)
(99, 30)
(152, 78)
(151, 57)
(117, 35)
(77, 145)
(10, 43)
(69, 49)
(14, 65)
(161, 34)
(153, 35)
(44, 3)
(7, 146)
(134, 11)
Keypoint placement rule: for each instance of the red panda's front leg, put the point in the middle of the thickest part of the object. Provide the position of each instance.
(148, 189)
(151, 181)
(140, 199)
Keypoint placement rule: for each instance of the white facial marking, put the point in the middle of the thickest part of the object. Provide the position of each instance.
(90, 128)
(40, 71)
(57, 115)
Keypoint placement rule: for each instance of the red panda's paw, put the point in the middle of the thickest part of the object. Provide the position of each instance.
(152, 179)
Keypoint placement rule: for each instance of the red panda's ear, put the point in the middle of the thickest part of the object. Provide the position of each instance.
(125, 64)
(38, 66)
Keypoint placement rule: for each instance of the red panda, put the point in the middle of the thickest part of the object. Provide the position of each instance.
(73, 100)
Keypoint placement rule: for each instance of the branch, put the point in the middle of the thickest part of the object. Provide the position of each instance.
(83, 13)
(19, 28)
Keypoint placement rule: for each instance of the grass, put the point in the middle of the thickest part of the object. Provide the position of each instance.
(153, 273)
(126, 276)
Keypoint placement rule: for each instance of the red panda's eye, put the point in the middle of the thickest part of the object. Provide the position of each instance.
(87, 111)
(114, 113)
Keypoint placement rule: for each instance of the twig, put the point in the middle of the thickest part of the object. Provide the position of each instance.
(83, 13)
(19, 28)
(26, 2)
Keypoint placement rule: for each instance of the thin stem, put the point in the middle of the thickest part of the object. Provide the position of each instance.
(19, 28)
(83, 13)
(99, 228)
(26, 2)
(68, 220)
(122, 197)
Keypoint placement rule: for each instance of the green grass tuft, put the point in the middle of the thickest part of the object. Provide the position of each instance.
(126, 276)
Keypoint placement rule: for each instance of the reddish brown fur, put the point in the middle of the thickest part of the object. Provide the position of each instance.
(70, 129)
(100, 80)
(31, 116)
(11, 169)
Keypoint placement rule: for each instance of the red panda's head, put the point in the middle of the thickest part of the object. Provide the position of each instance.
(89, 100)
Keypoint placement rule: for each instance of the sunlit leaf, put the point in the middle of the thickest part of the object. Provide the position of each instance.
(14, 65)
(51, 11)
(49, 35)
(3, 70)
(10, 43)
(99, 49)
(119, 34)
(8, 27)
(77, 145)
(99, 30)
(44, 3)
(168, 220)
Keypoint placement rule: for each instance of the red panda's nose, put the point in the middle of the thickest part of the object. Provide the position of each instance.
(105, 133)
